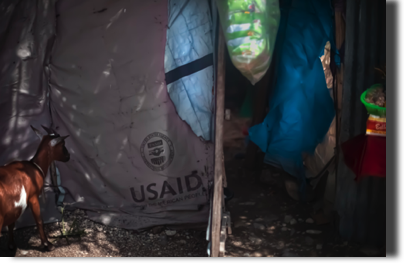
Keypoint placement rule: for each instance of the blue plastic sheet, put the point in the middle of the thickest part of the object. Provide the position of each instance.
(301, 108)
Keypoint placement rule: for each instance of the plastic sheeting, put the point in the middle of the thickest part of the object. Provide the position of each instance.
(301, 108)
(250, 28)
(189, 38)
(26, 34)
(134, 162)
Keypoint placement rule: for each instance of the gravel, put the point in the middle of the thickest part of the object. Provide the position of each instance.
(105, 241)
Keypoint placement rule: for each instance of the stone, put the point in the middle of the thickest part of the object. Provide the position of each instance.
(129, 254)
(259, 226)
(255, 240)
(280, 245)
(246, 254)
(163, 240)
(100, 228)
(309, 241)
(170, 232)
(313, 232)
(319, 246)
(157, 230)
(293, 221)
(309, 221)
(288, 218)
(24, 252)
(239, 224)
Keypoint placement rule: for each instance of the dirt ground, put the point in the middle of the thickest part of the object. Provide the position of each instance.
(103, 241)
(266, 222)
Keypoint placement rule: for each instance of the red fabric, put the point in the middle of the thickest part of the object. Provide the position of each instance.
(366, 155)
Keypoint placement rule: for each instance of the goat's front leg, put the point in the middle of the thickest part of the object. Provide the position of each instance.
(34, 205)
(12, 245)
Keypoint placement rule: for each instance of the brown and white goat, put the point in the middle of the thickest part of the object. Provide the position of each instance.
(21, 183)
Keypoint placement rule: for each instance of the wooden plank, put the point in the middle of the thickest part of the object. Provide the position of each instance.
(219, 153)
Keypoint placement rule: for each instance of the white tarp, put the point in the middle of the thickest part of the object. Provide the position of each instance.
(134, 162)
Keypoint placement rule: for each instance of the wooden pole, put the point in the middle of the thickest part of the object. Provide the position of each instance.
(219, 153)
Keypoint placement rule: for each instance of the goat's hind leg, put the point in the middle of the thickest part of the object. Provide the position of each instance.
(12, 245)
(34, 205)
(1, 224)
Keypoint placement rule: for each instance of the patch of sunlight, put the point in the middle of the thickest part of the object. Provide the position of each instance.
(59, 92)
(97, 140)
(64, 99)
(74, 106)
(78, 132)
(119, 157)
(106, 219)
(114, 18)
(161, 88)
(80, 199)
(87, 176)
(7, 139)
(23, 53)
(243, 217)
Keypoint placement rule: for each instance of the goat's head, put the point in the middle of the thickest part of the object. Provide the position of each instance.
(54, 144)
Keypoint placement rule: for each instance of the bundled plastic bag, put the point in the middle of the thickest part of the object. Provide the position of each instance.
(250, 29)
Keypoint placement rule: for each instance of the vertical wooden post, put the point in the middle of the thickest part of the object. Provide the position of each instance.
(219, 153)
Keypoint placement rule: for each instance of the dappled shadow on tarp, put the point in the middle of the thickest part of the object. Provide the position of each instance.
(108, 92)
(26, 35)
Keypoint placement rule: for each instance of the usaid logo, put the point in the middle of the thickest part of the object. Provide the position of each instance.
(157, 151)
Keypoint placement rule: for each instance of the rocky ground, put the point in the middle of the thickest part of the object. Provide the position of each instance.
(267, 222)
(103, 241)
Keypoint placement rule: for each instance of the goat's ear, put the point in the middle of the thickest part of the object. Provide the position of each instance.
(49, 131)
(57, 140)
(37, 132)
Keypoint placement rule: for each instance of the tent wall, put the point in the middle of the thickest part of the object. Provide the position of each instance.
(27, 30)
(134, 162)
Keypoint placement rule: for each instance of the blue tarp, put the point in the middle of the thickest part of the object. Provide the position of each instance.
(189, 38)
(300, 107)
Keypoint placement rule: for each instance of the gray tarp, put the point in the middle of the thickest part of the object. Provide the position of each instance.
(134, 162)
(27, 31)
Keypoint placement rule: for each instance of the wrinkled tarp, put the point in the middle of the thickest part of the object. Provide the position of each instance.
(131, 153)
(301, 108)
(26, 34)
(134, 162)
(189, 38)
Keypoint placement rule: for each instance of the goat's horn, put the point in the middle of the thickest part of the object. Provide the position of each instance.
(48, 130)
(58, 140)
(37, 132)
